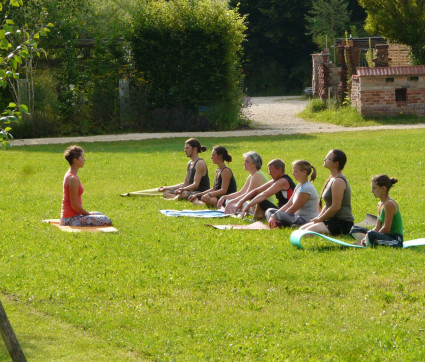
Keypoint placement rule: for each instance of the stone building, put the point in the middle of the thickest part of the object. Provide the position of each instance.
(389, 91)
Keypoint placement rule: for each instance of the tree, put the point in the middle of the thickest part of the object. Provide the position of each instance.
(401, 21)
(189, 53)
(17, 45)
(277, 50)
(327, 20)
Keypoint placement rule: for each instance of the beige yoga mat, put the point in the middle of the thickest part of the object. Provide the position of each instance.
(78, 229)
(254, 226)
(149, 192)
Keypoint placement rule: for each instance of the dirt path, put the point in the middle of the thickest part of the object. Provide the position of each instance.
(270, 116)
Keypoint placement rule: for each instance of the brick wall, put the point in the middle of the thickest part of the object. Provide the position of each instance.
(375, 96)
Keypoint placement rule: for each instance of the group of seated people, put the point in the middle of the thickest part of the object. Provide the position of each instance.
(297, 205)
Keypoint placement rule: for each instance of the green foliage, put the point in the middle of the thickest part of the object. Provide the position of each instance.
(370, 55)
(347, 116)
(327, 18)
(398, 21)
(189, 53)
(17, 44)
(172, 288)
(316, 105)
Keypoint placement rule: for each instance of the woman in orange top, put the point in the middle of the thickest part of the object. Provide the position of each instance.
(73, 213)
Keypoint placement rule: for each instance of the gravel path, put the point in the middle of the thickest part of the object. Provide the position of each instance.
(270, 116)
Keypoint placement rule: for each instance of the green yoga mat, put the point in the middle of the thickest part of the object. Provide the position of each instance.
(297, 235)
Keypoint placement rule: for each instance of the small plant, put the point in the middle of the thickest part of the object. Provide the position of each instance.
(316, 105)
(370, 55)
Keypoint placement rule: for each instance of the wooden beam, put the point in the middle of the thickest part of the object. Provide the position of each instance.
(9, 338)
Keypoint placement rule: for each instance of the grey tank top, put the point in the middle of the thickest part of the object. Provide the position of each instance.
(344, 213)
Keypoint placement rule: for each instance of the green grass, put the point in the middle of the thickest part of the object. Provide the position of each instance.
(172, 288)
(317, 111)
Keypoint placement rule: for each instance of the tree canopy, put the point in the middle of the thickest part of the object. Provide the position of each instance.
(401, 21)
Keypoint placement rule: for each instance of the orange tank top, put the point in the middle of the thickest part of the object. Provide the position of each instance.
(67, 210)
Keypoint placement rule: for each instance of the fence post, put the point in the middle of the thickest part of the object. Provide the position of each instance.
(9, 338)
(124, 94)
(22, 85)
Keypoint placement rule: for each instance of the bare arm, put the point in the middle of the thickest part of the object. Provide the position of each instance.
(235, 195)
(200, 170)
(390, 208)
(296, 202)
(73, 185)
(338, 187)
(226, 175)
(281, 184)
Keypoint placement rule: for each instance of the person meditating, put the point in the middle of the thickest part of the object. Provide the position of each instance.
(281, 186)
(224, 181)
(256, 178)
(389, 225)
(304, 202)
(336, 217)
(196, 179)
(72, 212)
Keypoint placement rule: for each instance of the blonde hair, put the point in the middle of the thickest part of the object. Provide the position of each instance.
(304, 165)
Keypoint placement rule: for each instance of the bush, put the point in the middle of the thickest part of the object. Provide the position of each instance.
(189, 53)
(316, 105)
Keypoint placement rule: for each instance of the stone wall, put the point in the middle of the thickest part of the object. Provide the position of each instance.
(376, 95)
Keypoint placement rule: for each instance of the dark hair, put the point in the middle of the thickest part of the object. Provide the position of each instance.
(304, 165)
(340, 157)
(221, 151)
(384, 180)
(277, 163)
(72, 152)
(193, 142)
(255, 157)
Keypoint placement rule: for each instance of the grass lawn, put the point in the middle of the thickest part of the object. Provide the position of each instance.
(350, 117)
(172, 288)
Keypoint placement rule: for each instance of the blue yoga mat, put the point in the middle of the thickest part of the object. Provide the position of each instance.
(194, 213)
(296, 236)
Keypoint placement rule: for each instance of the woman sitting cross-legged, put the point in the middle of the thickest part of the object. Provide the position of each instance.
(389, 226)
(224, 181)
(72, 212)
(336, 217)
(256, 178)
(304, 202)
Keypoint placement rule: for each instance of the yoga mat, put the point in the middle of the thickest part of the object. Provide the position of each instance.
(296, 236)
(194, 213)
(412, 243)
(369, 221)
(149, 192)
(258, 225)
(78, 229)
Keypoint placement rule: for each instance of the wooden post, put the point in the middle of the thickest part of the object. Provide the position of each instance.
(124, 93)
(9, 338)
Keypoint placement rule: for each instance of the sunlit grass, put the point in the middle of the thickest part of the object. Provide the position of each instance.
(166, 288)
(317, 111)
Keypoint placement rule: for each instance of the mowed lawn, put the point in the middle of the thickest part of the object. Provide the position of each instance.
(172, 288)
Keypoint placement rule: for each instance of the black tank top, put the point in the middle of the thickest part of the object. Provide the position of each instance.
(204, 184)
(283, 196)
(232, 184)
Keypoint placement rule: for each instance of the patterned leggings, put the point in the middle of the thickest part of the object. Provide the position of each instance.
(94, 219)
